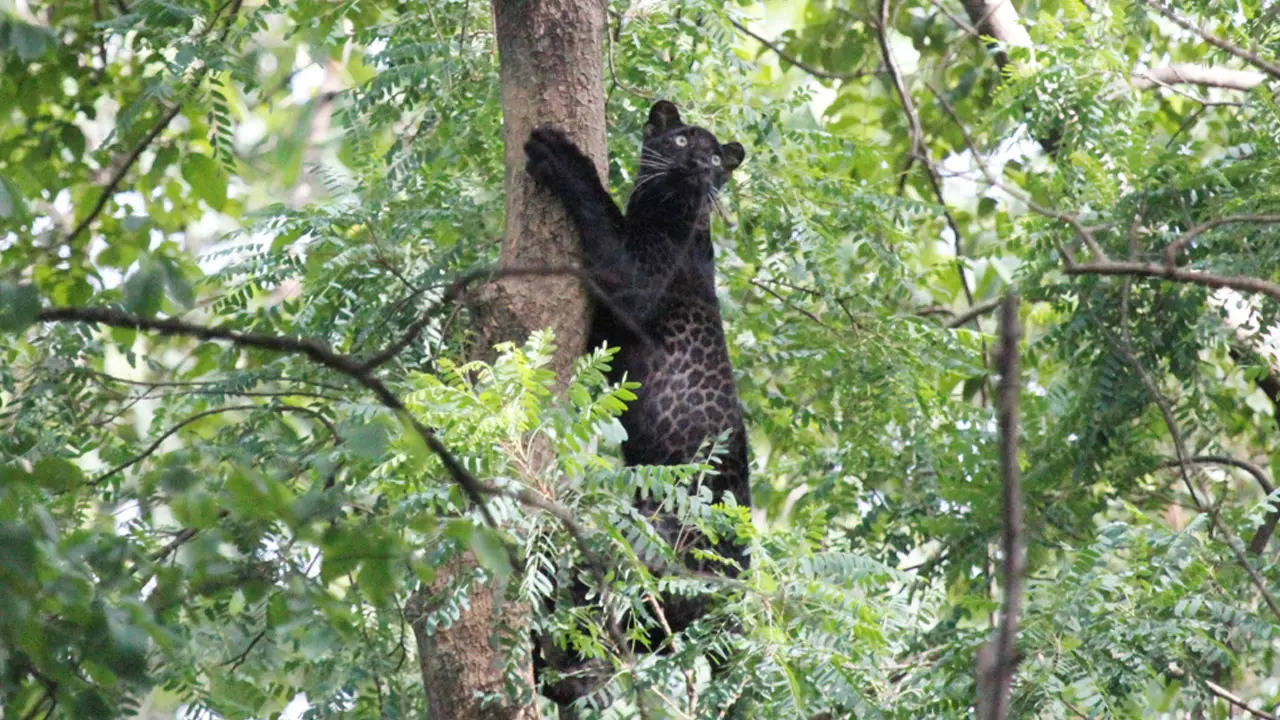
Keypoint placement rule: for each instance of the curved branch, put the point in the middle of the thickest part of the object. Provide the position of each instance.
(165, 436)
(310, 348)
(206, 413)
(1256, 471)
(1183, 240)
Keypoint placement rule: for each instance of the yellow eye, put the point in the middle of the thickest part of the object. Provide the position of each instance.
(681, 141)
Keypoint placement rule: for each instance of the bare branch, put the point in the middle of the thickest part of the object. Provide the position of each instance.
(1197, 74)
(166, 435)
(1234, 699)
(996, 660)
(1257, 472)
(1248, 56)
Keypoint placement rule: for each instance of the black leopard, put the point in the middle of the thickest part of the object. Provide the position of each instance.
(653, 274)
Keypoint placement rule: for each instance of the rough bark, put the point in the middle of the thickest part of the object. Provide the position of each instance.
(462, 664)
(550, 55)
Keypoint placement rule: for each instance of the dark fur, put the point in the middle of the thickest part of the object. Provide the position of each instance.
(655, 268)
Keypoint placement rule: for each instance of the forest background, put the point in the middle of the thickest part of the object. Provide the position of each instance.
(250, 407)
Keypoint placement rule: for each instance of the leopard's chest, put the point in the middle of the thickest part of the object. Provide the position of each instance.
(687, 394)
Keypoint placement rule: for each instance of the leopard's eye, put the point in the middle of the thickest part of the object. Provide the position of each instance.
(681, 141)
(715, 160)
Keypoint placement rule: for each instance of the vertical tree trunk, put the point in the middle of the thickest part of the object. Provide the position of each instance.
(550, 54)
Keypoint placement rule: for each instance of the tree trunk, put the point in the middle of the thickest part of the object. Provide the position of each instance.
(550, 54)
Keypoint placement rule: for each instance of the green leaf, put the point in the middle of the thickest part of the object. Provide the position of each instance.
(206, 178)
(491, 551)
(369, 440)
(144, 290)
(19, 306)
(29, 40)
(179, 288)
(10, 203)
(57, 474)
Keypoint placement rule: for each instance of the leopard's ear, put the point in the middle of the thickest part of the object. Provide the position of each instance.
(733, 155)
(662, 117)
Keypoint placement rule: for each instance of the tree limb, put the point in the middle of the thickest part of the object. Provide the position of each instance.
(996, 660)
(1197, 74)
(1236, 282)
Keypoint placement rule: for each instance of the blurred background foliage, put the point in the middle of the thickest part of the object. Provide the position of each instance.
(198, 528)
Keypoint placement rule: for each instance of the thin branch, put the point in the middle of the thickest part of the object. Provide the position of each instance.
(973, 312)
(1234, 699)
(1183, 240)
(165, 436)
(1235, 282)
(918, 147)
(997, 659)
(1248, 56)
(310, 348)
(1197, 74)
(238, 660)
(824, 74)
(123, 165)
(1124, 347)
(1256, 471)
(1084, 232)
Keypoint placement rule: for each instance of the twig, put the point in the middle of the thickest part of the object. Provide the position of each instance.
(1257, 472)
(238, 660)
(164, 436)
(824, 74)
(997, 659)
(123, 166)
(975, 311)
